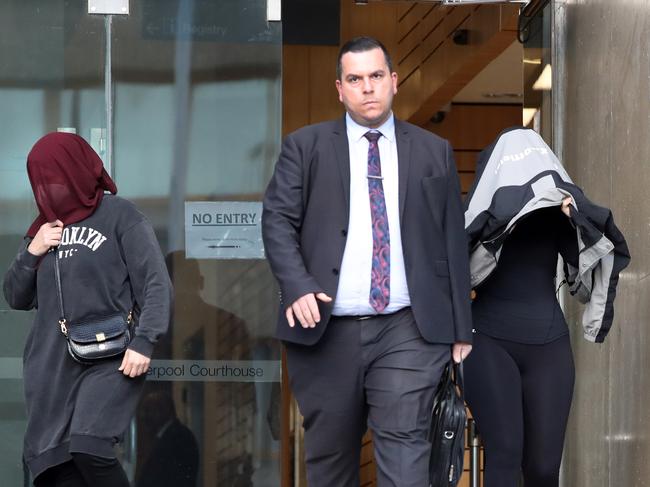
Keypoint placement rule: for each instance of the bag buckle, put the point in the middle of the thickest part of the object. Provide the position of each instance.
(64, 329)
(100, 337)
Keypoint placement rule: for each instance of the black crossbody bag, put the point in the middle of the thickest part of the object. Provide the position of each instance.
(91, 341)
(447, 433)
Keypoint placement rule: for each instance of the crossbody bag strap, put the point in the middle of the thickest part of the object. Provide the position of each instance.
(59, 292)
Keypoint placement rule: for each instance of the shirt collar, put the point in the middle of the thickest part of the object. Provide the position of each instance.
(356, 131)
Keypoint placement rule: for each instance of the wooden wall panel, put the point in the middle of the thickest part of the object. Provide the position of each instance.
(437, 69)
(465, 160)
(427, 25)
(308, 86)
(410, 20)
(404, 8)
(470, 128)
(377, 19)
(324, 103)
(436, 29)
(295, 87)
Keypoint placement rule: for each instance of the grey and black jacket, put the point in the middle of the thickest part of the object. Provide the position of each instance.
(519, 174)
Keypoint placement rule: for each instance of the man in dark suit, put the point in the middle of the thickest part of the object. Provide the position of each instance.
(173, 456)
(363, 228)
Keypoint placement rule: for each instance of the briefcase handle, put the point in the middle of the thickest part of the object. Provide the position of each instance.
(458, 379)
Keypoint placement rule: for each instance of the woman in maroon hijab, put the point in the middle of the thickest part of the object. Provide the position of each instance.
(110, 263)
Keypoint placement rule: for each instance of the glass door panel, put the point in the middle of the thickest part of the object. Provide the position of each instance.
(197, 104)
(197, 119)
(51, 77)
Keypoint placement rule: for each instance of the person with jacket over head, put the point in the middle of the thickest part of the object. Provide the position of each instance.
(110, 263)
(363, 229)
(521, 213)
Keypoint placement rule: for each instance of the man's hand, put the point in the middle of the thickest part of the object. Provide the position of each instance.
(134, 363)
(565, 206)
(306, 310)
(49, 235)
(460, 351)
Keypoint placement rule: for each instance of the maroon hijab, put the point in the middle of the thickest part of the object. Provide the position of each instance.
(68, 179)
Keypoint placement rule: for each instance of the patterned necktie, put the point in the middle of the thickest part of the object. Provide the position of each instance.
(380, 273)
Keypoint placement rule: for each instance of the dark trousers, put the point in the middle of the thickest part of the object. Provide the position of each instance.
(84, 471)
(376, 373)
(520, 396)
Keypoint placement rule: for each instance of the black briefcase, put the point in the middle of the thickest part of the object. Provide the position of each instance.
(447, 433)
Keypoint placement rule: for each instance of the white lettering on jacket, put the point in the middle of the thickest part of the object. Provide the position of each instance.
(86, 236)
(520, 156)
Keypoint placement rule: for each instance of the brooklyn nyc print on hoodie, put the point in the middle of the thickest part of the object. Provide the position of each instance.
(86, 236)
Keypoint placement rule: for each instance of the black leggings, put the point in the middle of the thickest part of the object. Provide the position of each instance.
(520, 396)
(84, 471)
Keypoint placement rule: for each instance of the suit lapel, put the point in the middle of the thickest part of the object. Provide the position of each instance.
(403, 162)
(341, 148)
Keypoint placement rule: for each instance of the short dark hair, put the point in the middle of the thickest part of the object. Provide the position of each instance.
(362, 44)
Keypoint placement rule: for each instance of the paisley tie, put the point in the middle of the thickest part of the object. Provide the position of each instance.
(380, 273)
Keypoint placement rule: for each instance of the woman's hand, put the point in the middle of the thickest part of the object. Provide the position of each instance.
(134, 363)
(565, 206)
(49, 235)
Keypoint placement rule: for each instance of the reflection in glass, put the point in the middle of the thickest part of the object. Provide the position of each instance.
(170, 454)
(197, 118)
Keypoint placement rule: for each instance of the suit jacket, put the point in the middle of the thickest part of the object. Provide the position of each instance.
(305, 221)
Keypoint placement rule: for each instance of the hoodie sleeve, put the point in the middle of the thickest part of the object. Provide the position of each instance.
(568, 241)
(20, 280)
(151, 285)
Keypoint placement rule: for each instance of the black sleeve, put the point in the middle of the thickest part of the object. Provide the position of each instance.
(150, 283)
(281, 222)
(568, 240)
(20, 280)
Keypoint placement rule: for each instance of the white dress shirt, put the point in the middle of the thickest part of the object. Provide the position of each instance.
(353, 295)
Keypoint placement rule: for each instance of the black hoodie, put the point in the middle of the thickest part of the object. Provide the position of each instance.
(110, 263)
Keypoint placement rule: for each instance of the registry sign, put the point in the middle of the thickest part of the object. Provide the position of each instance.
(223, 230)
